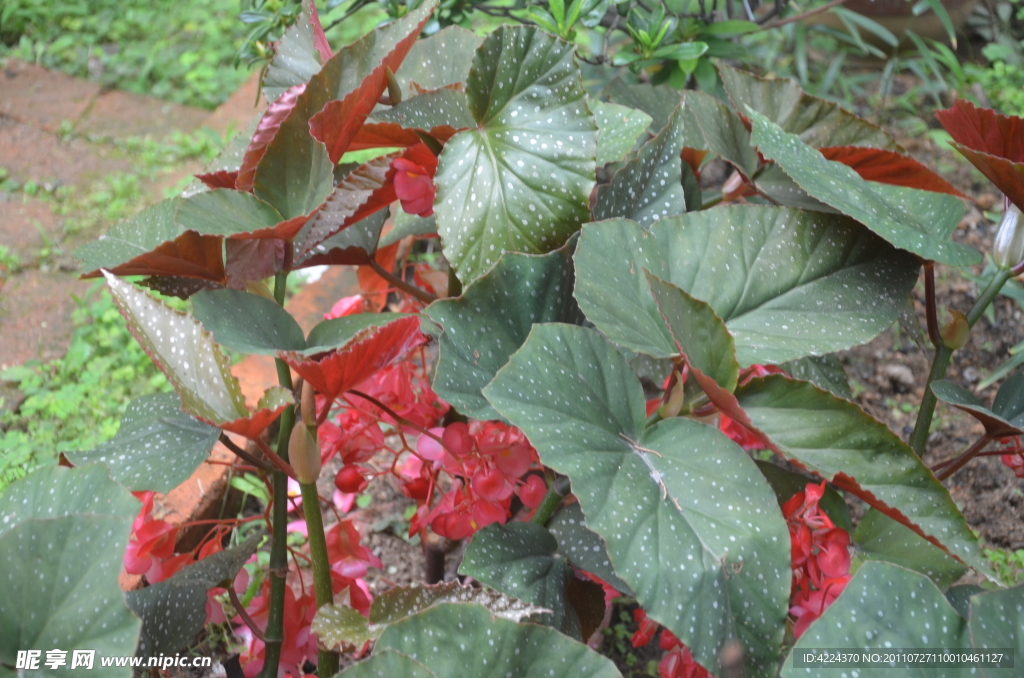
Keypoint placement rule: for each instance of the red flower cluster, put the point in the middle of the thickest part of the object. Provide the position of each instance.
(1014, 457)
(299, 644)
(151, 542)
(487, 462)
(820, 554)
(678, 661)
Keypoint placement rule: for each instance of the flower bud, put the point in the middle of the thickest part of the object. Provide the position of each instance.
(394, 87)
(304, 453)
(308, 405)
(674, 403)
(956, 332)
(1008, 248)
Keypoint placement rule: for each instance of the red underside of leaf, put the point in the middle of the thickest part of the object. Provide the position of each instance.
(286, 230)
(982, 129)
(889, 167)
(1006, 175)
(339, 121)
(693, 158)
(190, 255)
(319, 38)
(252, 260)
(219, 179)
(251, 427)
(373, 287)
(727, 403)
(369, 352)
(267, 129)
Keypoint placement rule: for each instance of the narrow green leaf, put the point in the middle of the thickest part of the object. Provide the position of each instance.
(698, 333)
(618, 127)
(457, 640)
(691, 525)
(915, 220)
(490, 321)
(521, 560)
(295, 58)
(648, 187)
(157, 447)
(787, 283)
(248, 323)
(131, 238)
(879, 537)
(354, 245)
(336, 332)
(409, 224)
(885, 606)
(839, 441)
(520, 180)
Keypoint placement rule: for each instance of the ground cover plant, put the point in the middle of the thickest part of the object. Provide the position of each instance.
(622, 389)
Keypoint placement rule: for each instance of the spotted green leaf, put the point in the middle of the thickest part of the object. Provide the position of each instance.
(295, 57)
(839, 441)
(787, 283)
(354, 245)
(173, 611)
(340, 625)
(657, 101)
(824, 371)
(492, 318)
(711, 125)
(62, 538)
(157, 447)
(911, 219)
(248, 323)
(443, 107)
(697, 332)
(619, 127)
(439, 60)
(388, 664)
(649, 186)
(457, 640)
(409, 224)
(997, 620)
(885, 606)
(879, 537)
(520, 180)
(691, 525)
(818, 122)
(583, 547)
(522, 560)
(225, 212)
(194, 363)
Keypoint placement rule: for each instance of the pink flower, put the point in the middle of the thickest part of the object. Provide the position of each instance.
(346, 306)
(414, 186)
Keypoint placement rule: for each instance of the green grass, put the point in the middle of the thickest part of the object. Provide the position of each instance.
(75, 402)
(1008, 564)
(179, 50)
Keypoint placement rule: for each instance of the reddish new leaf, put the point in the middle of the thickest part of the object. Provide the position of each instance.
(252, 260)
(219, 179)
(993, 143)
(277, 112)
(339, 121)
(268, 409)
(889, 167)
(693, 158)
(368, 352)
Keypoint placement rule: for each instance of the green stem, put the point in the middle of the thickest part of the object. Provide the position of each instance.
(940, 362)
(327, 662)
(274, 633)
(556, 493)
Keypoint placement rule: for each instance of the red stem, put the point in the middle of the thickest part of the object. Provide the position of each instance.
(958, 463)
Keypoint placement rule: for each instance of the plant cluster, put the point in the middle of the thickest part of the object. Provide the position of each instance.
(579, 392)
